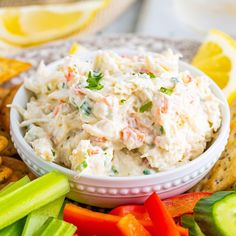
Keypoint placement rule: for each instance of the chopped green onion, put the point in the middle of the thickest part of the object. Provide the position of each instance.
(115, 171)
(151, 75)
(146, 172)
(210, 123)
(166, 90)
(85, 108)
(94, 80)
(48, 87)
(162, 130)
(122, 101)
(83, 165)
(146, 107)
(63, 85)
(53, 152)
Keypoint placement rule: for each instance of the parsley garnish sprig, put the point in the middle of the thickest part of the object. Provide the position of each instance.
(94, 80)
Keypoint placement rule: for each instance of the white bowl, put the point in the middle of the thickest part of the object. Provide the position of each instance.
(113, 191)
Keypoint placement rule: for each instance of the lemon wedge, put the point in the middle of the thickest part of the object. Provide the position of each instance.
(25, 26)
(217, 58)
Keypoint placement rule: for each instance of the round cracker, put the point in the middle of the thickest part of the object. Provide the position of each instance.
(5, 173)
(10, 149)
(18, 167)
(3, 143)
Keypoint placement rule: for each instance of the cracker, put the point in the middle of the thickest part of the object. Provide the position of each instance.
(18, 167)
(5, 111)
(5, 173)
(3, 94)
(223, 174)
(233, 110)
(10, 149)
(10, 68)
(3, 143)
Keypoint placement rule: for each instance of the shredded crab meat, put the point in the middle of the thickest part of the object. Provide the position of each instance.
(109, 114)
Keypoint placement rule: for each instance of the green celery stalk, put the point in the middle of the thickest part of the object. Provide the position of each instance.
(61, 213)
(38, 217)
(16, 228)
(39, 192)
(15, 185)
(56, 227)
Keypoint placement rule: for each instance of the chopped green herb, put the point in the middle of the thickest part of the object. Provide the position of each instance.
(85, 108)
(83, 165)
(166, 90)
(162, 130)
(151, 75)
(146, 107)
(48, 87)
(122, 101)
(63, 85)
(94, 80)
(115, 171)
(53, 152)
(146, 172)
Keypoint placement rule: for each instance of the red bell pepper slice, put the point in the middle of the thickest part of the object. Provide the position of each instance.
(163, 222)
(130, 226)
(139, 211)
(90, 223)
(184, 203)
(176, 206)
(182, 231)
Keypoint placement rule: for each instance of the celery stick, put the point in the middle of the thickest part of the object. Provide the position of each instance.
(56, 227)
(14, 229)
(13, 186)
(38, 217)
(60, 215)
(39, 192)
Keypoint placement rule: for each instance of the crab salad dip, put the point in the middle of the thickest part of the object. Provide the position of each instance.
(104, 113)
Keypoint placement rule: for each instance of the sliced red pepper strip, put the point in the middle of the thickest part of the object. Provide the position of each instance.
(184, 203)
(139, 211)
(90, 223)
(176, 206)
(182, 231)
(130, 226)
(163, 222)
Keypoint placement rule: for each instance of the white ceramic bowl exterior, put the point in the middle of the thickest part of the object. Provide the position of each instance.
(113, 191)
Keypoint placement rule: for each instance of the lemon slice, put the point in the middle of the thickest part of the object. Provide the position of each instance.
(31, 25)
(217, 58)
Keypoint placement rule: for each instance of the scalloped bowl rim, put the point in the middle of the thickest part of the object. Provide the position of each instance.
(222, 132)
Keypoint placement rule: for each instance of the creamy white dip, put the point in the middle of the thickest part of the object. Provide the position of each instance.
(106, 114)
